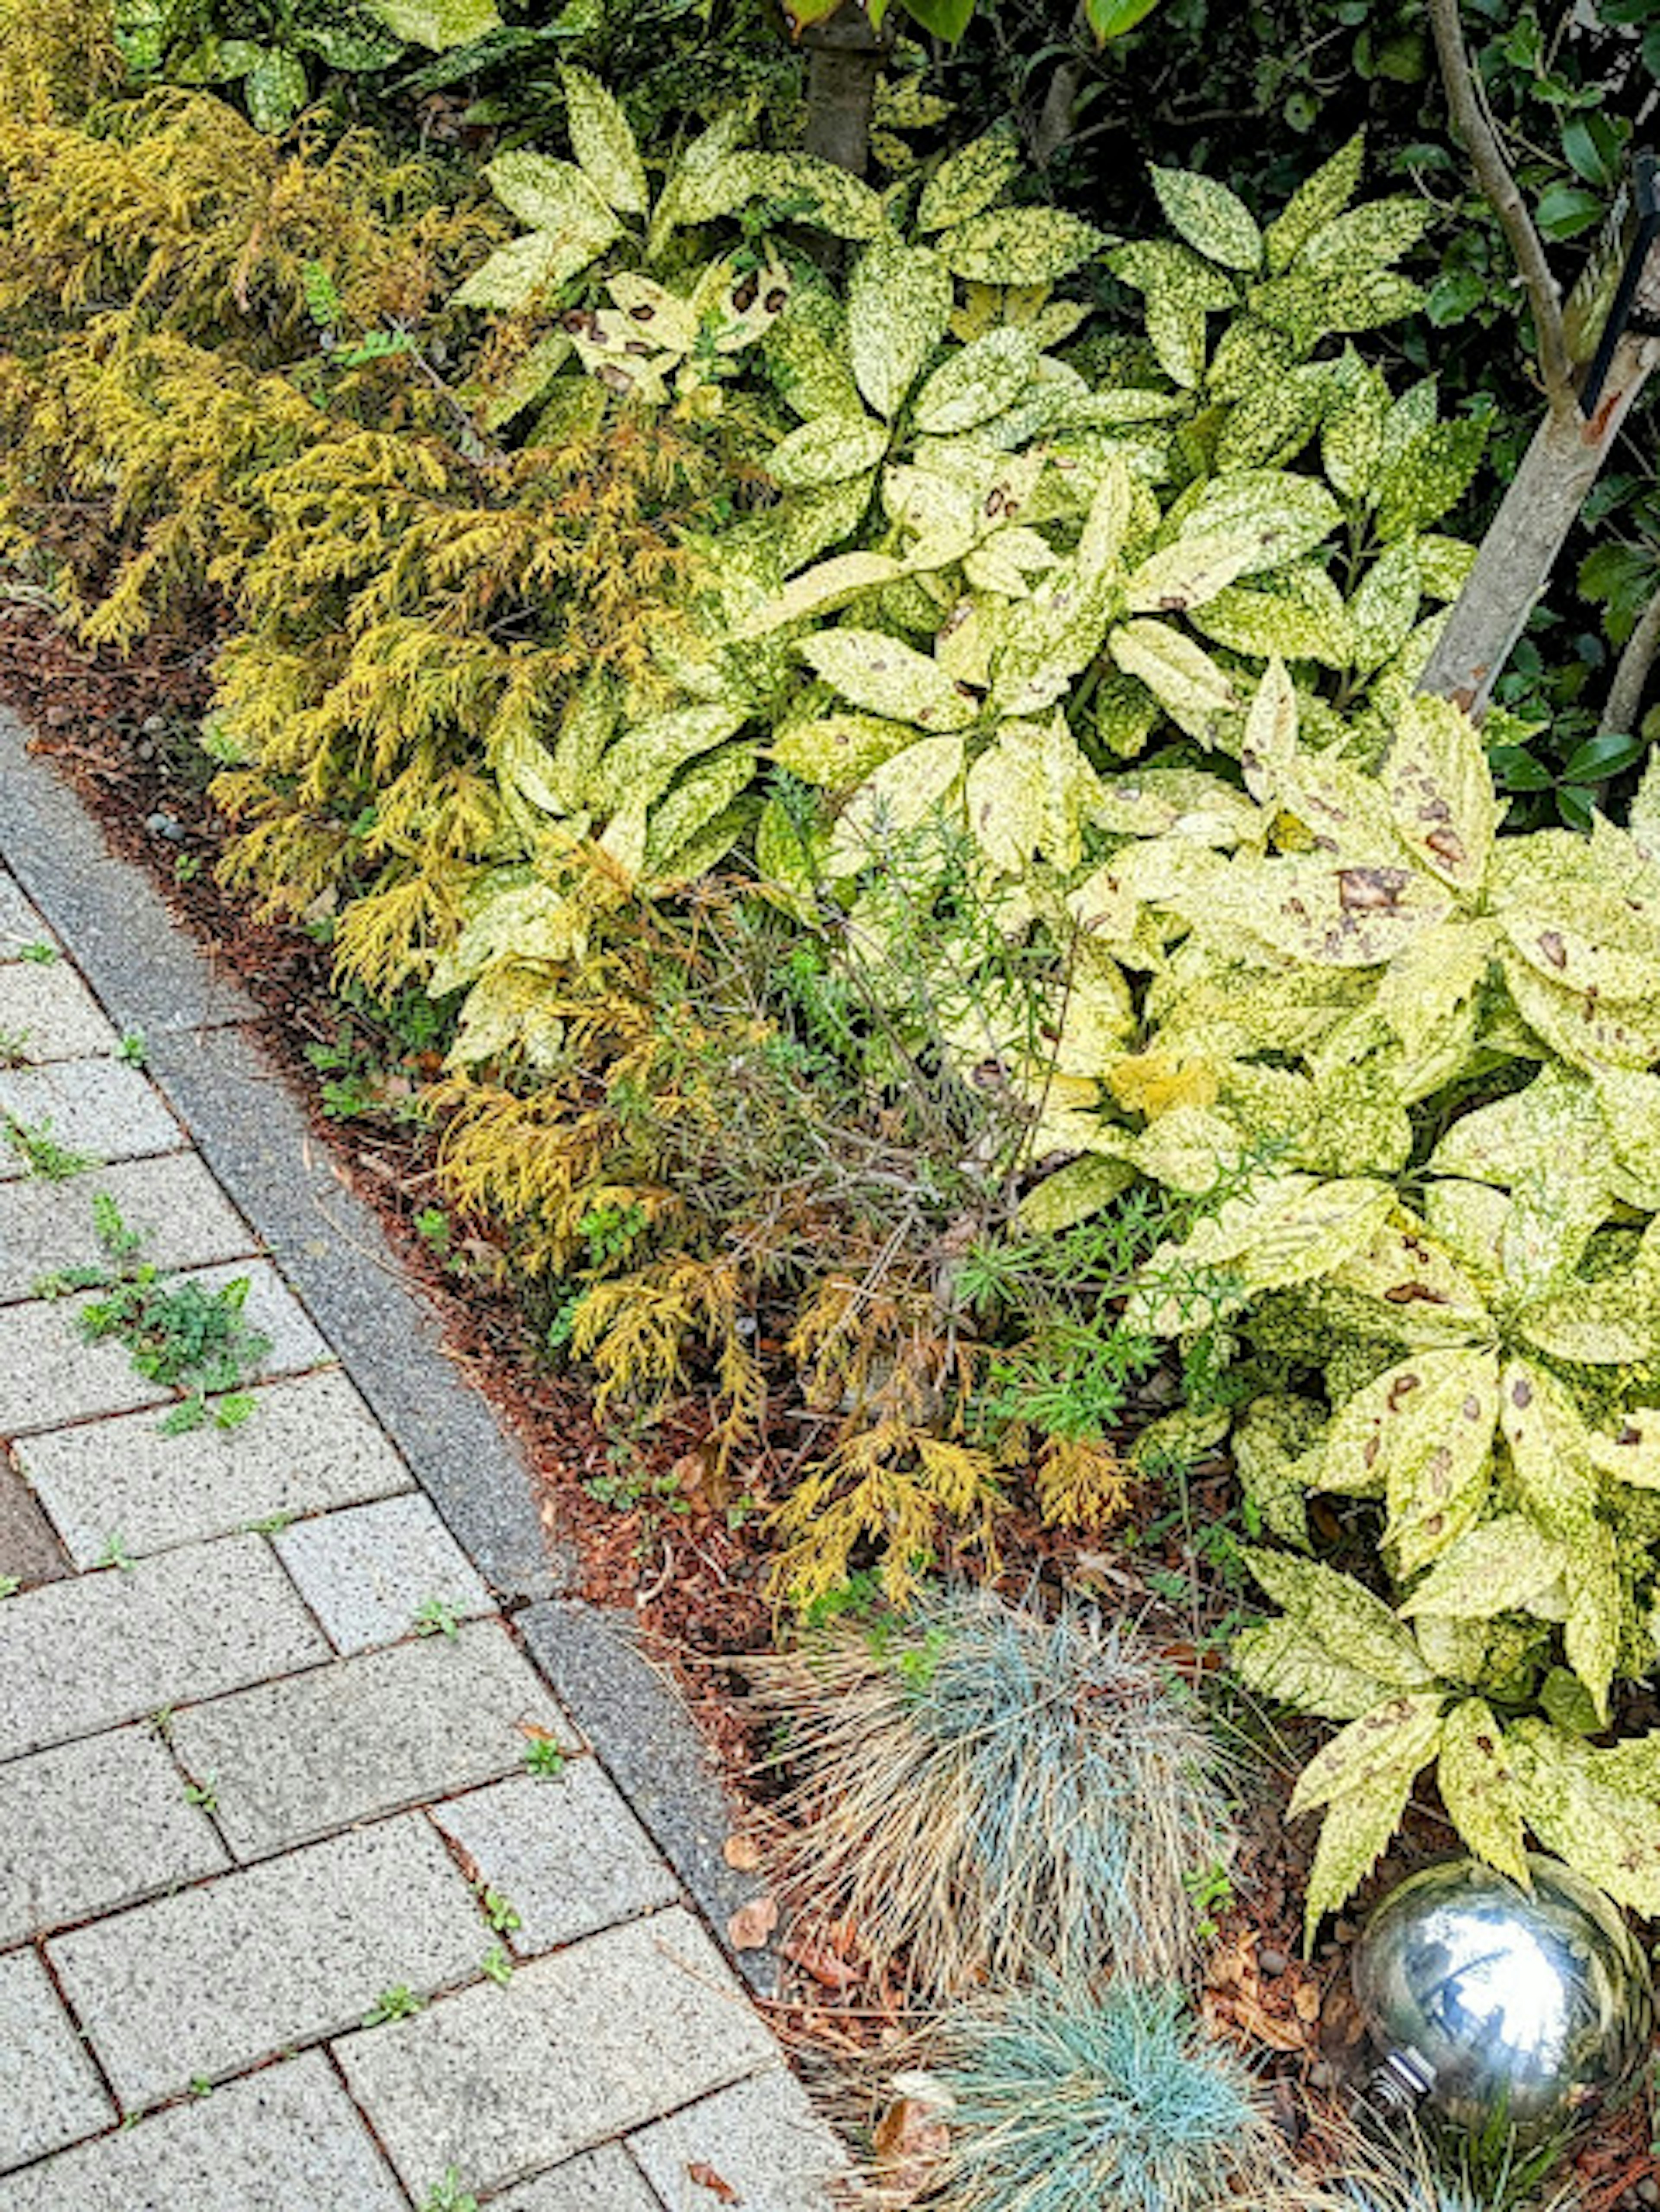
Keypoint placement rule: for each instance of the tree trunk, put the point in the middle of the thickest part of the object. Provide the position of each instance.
(845, 58)
(1625, 692)
(1514, 562)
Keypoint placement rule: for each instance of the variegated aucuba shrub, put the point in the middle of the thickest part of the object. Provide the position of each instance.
(1448, 1285)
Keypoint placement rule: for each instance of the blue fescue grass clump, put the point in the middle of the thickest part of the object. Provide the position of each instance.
(987, 1792)
(1065, 2098)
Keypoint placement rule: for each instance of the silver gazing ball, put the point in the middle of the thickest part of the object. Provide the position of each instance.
(1490, 2004)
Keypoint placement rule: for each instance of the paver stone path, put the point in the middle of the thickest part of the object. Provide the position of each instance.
(288, 1923)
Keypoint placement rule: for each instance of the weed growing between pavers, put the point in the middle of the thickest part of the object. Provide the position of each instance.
(42, 1155)
(187, 1337)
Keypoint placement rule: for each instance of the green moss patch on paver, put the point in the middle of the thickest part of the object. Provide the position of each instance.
(499, 2082)
(605, 2180)
(286, 2140)
(310, 1445)
(77, 1657)
(51, 1013)
(49, 2092)
(367, 1573)
(173, 1202)
(213, 1980)
(367, 1735)
(569, 1853)
(762, 2137)
(101, 1109)
(94, 1826)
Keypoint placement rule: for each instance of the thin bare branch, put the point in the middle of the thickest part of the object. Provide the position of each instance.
(1631, 673)
(1492, 174)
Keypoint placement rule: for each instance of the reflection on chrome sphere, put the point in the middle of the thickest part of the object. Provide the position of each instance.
(1491, 2003)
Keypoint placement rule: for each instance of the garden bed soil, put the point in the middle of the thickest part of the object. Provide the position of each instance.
(651, 1532)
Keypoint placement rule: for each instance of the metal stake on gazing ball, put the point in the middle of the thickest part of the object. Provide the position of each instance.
(1490, 2005)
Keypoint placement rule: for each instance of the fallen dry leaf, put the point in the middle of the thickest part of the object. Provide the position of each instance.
(1307, 2001)
(831, 1972)
(752, 1924)
(707, 2178)
(742, 1853)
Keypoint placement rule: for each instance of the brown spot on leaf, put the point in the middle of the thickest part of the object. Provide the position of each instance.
(1447, 845)
(1521, 1394)
(1371, 890)
(1553, 949)
(1400, 1388)
(1406, 1294)
(1471, 1408)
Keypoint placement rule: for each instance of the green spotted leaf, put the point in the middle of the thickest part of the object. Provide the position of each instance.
(1191, 571)
(1478, 1788)
(439, 24)
(1020, 246)
(1608, 1834)
(1430, 474)
(1503, 1566)
(526, 268)
(967, 182)
(1440, 792)
(1550, 1451)
(885, 677)
(1282, 1660)
(1316, 203)
(1030, 793)
(977, 382)
(840, 750)
(1296, 613)
(899, 301)
(1343, 1618)
(1271, 1439)
(1351, 432)
(1422, 1434)
(895, 801)
(276, 89)
(1274, 421)
(828, 449)
(1194, 691)
(1290, 514)
(1359, 1824)
(1370, 1750)
(1591, 1634)
(603, 144)
(810, 191)
(1385, 607)
(1073, 1193)
(1381, 230)
(1212, 220)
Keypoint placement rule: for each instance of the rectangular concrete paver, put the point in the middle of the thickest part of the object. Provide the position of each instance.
(366, 1574)
(50, 2095)
(19, 925)
(499, 2082)
(216, 1978)
(95, 1825)
(605, 2180)
(762, 2137)
(368, 1735)
(77, 1658)
(310, 1444)
(173, 1202)
(285, 2140)
(566, 1853)
(46, 1012)
(49, 1375)
(101, 1109)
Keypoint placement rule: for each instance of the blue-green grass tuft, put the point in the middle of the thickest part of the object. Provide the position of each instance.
(1067, 2099)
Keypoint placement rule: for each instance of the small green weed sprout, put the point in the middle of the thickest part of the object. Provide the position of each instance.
(204, 1794)
(134, 1048)
(14, 1047)
(500, 1912)
(982, 1789)
(1065, 2098)
(398, 2002)
(448, 2195)
(42, 1156)
(436, 1616)
(183, 1334)
(544, 1759)
(39, 952)
(497, 1964)
(9, 1585)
